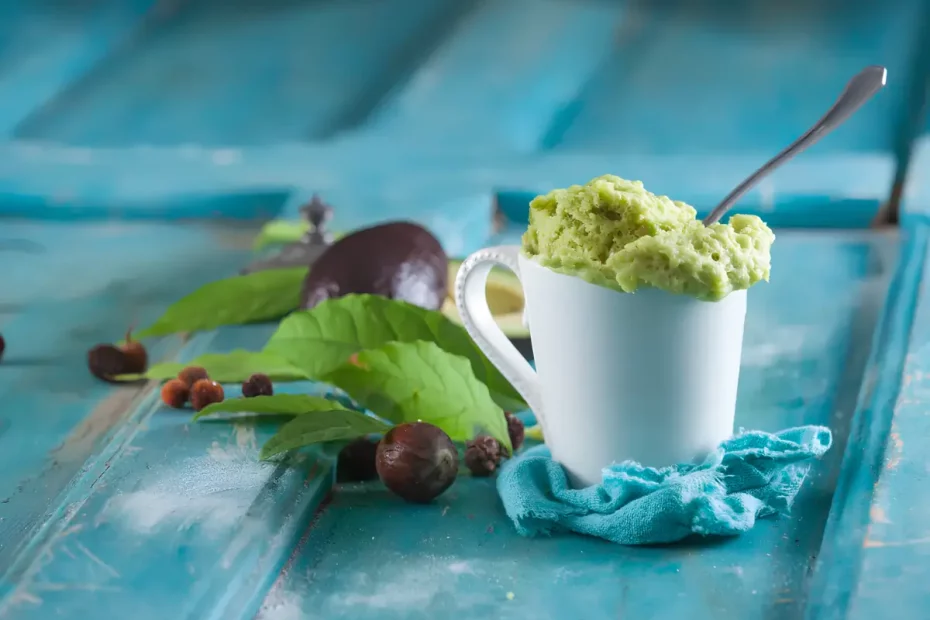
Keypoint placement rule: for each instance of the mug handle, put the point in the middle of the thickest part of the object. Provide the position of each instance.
(472, 303)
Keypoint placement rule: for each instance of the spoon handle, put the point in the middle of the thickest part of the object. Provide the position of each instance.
(859, 90)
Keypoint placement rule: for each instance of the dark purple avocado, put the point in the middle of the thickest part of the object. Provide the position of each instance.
(397, 260)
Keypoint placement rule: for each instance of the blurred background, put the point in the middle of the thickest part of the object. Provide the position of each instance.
(138, 108)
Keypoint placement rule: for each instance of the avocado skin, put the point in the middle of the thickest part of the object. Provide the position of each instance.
(397, 260)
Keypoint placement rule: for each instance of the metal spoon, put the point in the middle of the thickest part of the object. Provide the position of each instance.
(859, 90)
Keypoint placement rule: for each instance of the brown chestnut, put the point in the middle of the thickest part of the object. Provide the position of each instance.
(356, 461)
(417, 461)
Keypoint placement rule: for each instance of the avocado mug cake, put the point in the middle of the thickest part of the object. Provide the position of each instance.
(613, 232)
(636, 312)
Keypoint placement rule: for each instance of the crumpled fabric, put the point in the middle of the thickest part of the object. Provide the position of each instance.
(750, 476)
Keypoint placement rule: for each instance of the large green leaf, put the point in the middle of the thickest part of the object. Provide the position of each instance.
(232, 367)
(319, 340)
(277, 404)
(418, 381)
(262, 296)
(322, 426)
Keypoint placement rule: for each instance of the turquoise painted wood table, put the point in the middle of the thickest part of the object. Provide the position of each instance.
(147, 142)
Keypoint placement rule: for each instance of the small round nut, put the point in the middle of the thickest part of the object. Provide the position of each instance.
(106, 361)
(206, 392)
(417, 461)
(192, 374)
(175, 393)
(356, 461)
(482, 455)
(257, 385)
(136, 358)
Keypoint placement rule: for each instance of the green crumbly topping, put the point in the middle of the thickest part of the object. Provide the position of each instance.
(615, 233)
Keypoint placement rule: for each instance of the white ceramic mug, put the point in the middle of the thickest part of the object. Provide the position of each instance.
(648, 376)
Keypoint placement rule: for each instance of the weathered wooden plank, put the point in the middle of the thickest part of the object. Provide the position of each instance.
(60, 182)
(185, 513)
(507, 69)
(894, 552)
(700, 77)
(303, 63)
(81, 285)
(46, 46)
(857, 504)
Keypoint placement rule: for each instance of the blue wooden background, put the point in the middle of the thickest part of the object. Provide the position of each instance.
(145, 143)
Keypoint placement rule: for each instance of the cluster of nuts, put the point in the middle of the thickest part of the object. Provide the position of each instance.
(195, 385)
(192, 384)
(107, 361)
(418, 461)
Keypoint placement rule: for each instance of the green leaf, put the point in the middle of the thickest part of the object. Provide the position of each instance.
(418, 381)
(262, 296)
(278, 404)
(280, 232)
(231, 367)
(322, 426)
(320, 340)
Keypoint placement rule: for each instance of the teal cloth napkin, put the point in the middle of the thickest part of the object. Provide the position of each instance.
(750, 475)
